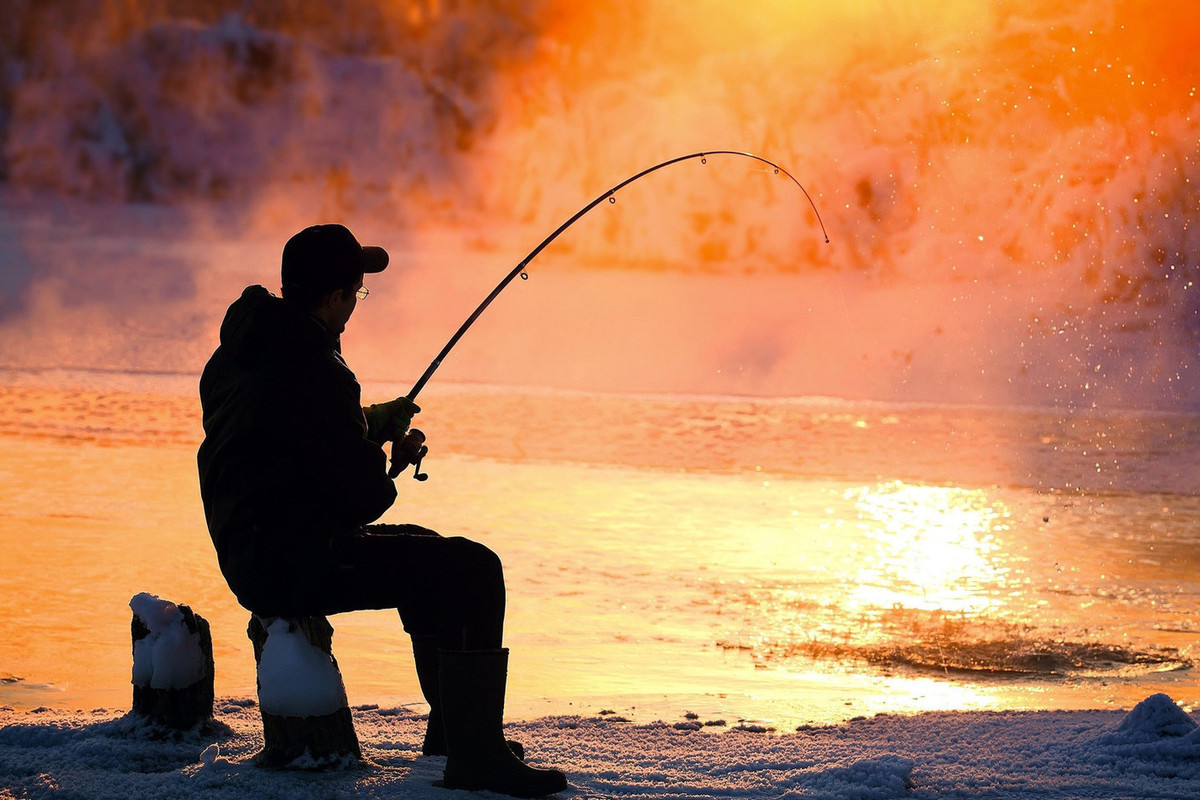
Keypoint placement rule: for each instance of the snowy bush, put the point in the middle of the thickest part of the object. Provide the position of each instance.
(221, 99)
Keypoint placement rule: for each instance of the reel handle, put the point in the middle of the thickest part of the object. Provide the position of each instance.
(409, 450)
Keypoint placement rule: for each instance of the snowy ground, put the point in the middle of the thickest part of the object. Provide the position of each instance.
(1151, 751)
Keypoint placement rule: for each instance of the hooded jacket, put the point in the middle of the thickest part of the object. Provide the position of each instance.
(285, 467)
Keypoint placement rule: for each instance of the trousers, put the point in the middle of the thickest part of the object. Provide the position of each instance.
(449, 589)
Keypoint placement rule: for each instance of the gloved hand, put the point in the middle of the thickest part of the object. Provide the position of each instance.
(387, 422)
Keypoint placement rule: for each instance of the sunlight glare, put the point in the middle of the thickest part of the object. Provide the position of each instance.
(933, 549)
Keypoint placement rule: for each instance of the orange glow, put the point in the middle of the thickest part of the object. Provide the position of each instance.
(912, 123)
(1010, 159)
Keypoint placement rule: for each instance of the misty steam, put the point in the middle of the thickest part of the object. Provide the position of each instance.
(1010, 191)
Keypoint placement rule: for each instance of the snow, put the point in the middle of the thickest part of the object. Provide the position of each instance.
(295, 678)
(170, 656)
(1151, 751)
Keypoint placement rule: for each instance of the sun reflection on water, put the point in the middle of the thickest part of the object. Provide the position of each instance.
(935, 548)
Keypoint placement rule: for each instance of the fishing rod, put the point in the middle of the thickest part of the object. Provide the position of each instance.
(408, 451)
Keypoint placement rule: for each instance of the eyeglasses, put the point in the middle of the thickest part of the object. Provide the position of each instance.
(362, 293)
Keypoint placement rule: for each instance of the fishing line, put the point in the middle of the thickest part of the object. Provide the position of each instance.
(610, 195)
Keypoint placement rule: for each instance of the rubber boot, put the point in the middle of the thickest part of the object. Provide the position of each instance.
(426, 659)
(473, 686)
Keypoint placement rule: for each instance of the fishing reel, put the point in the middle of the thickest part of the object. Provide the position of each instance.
(410, 449)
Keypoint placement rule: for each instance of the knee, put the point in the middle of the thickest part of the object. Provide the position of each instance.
(476, 559)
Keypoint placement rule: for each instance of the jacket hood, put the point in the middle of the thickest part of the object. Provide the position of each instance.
(260, 328)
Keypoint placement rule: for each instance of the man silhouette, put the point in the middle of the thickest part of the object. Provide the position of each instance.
(292, 473)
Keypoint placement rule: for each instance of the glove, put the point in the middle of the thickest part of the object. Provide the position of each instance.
(387, 422)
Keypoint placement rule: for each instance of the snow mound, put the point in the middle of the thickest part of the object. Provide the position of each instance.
(296, 679)
(1157, 717)
(170, 655)
(884, 777)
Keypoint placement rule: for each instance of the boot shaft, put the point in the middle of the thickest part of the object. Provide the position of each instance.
(479, 758)
(473, 685)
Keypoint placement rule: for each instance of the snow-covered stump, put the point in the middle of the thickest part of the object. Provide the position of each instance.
(172, 663)
(306, 717)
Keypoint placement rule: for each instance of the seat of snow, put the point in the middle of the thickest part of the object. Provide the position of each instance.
(306, 717)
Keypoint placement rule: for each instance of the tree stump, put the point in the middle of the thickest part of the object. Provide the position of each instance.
(172, 663)
(306, 717)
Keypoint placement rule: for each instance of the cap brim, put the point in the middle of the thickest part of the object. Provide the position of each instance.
(375, 259)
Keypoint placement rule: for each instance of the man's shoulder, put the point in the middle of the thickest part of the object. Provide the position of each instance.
(262, 330)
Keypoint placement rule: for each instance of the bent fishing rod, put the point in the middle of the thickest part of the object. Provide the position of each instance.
(408, 451)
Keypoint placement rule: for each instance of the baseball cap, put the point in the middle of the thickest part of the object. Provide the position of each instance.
(323, 258)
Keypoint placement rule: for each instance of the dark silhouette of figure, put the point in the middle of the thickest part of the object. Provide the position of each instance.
(292, 473)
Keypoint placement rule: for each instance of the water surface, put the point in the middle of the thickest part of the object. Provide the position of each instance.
(776, 561)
